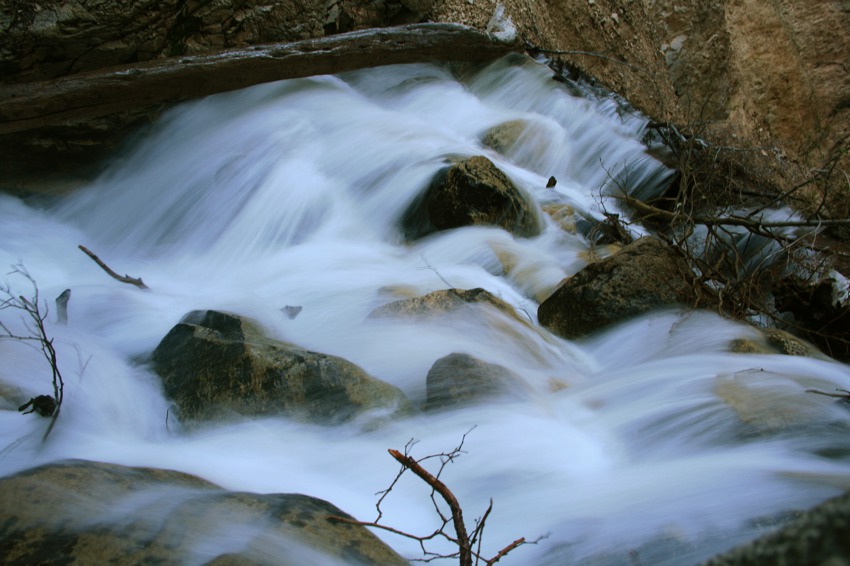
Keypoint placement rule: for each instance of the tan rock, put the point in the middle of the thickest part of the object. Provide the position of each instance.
(441, 302)
(94, 513)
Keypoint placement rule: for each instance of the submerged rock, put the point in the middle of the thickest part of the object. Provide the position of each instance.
(535, 144)
(775, 341)
(440, 302)
(643, 276)
(215, 364)
(818, 536)
(473, 192)
(766, 403)
(461, 379)
(94, 513)
(502, 137)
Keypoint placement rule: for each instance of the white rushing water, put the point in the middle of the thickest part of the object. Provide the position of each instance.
(291, 194)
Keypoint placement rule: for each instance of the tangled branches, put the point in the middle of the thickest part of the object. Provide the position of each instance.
(758, 249)
(36, 336)
(468, 544)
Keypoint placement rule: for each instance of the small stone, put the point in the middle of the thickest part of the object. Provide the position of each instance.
(291, 311)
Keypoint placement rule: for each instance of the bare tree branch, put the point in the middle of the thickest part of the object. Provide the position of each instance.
(462, 539)
(122, 278)
(33, 318)
(845, 394)
(448, 497)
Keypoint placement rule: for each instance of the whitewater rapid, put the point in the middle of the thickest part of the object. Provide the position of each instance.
(291, 193)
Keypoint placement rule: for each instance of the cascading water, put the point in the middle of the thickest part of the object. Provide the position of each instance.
(655, 439)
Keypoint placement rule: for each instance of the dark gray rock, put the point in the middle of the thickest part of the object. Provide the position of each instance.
(50, 38)
(643, 276)
(460, 379)
(473, 192)
(215, 365)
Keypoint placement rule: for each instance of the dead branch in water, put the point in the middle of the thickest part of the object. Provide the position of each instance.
(845, 394)
(33, 319)
(468, 544)
(122, 278)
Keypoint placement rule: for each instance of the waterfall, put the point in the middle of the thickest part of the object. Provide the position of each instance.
(291, 193)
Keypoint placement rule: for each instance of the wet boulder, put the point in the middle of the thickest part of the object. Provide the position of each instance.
(472, 192)
(461, 379)
(643, 276)
(441, 302)
(215, 365)
(94, 513)
(536, 144)
(775, 341)
(818, 536)
(503, 137)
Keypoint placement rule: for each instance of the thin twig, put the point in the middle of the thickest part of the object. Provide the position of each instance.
(843, 395)
(518, 542)
(434, 269)
(37, 333)
(448, 497)
(462, 540)
(137, 281)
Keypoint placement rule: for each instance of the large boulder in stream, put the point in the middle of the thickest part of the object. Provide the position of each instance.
(215, 365)
(94, 513)
(643, 276)
(461, 379)
(818, 536)
(472, 192)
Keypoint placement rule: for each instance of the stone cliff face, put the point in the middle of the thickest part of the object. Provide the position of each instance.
(772, 74)
(51, 38)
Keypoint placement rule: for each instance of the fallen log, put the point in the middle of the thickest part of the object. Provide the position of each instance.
(28, 106)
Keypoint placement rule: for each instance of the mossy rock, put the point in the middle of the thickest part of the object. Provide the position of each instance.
(79, 512)
(214, 365)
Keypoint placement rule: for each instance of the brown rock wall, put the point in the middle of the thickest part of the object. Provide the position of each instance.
(774, 73)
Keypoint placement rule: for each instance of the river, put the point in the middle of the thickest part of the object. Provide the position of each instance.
(648, 441)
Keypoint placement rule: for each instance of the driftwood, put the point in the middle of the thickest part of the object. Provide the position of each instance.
(34, 105)
(137, 281)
